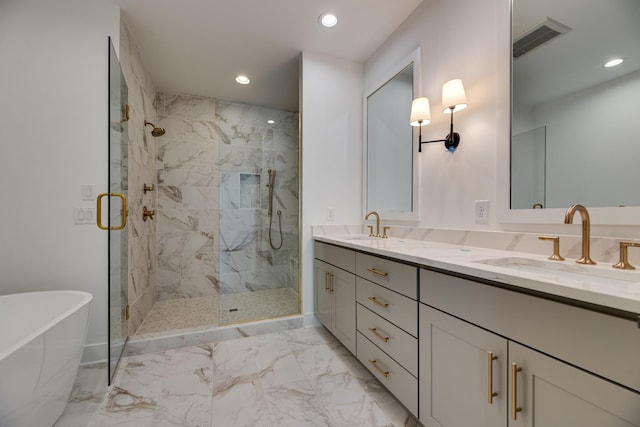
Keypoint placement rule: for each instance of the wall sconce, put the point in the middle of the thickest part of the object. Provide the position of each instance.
(454, 98)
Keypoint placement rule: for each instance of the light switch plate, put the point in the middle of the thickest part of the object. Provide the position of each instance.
(84, 215)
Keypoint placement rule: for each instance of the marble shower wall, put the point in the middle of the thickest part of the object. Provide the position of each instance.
(248, 262)
(142, 170)
(212, 198)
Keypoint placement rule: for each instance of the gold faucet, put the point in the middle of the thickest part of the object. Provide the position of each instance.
(584, 215)
(377, 221)
(624, 255)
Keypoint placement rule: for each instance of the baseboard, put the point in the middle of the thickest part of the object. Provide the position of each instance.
(94, 353)
(310, 320)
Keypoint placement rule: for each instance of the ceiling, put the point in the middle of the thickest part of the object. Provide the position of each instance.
(600, 30)
(197, 47)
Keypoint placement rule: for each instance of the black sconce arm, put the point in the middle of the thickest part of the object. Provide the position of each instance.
(451, 141)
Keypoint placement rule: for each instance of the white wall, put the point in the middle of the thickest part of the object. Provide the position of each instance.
(478, 50)
(601, 141)
(331, 111)
(451, 182)
(53, 139)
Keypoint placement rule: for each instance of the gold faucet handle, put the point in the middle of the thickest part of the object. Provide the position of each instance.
(384, 232)
(146, 213)
(623, 264)
(556, 247)
(371, 231)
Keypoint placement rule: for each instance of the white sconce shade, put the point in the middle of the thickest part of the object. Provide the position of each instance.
(420, 112)
(453, 96)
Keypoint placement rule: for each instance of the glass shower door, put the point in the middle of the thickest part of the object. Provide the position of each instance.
(117, 212)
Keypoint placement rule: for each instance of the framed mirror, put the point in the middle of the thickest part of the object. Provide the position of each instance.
(390, 161)
(574, 121)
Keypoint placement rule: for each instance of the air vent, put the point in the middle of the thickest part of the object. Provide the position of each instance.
(537, 36)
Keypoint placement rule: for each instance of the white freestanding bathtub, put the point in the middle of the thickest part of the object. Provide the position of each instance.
(42, 335)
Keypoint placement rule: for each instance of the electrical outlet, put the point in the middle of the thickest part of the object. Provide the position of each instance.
(88, 192)
(482, 212)
(331, 214)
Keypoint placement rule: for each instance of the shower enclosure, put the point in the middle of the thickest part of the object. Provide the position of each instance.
(228, 214)
(258, 249)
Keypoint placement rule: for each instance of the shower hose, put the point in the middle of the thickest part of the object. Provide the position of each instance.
(279, 213)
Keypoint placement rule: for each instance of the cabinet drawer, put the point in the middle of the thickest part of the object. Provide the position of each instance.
(335, 255)
(396, 308)
(401, 278)
(399, 381)
(398, 344)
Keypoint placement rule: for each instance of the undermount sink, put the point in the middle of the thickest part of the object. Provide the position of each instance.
(360, 238)
(567, 270)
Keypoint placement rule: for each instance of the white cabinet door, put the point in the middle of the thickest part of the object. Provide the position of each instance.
(335, 304)
(324, 299)
(550, 393)
(458, 373)
(343, 289)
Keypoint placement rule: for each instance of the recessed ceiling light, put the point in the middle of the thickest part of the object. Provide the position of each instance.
(271, 121)
(328, 20)
(614, 62)
(243, 80)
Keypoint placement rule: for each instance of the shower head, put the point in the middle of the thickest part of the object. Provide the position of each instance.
(156, 131)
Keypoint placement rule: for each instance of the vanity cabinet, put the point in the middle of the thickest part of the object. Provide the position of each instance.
(549, 392)
(487, 360)
(463, 377)
(335, 292)
(387, 324)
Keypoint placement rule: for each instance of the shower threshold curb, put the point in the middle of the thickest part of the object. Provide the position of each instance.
(151, 343)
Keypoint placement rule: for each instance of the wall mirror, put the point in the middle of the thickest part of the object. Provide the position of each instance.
(575, 124)
(390, 160)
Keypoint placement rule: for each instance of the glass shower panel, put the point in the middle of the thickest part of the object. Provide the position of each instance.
(528, 153)
(118, 240)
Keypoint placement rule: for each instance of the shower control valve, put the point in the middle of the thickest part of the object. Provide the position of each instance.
(147, 213)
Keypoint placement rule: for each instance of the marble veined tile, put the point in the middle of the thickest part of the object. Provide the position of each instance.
(296, 378)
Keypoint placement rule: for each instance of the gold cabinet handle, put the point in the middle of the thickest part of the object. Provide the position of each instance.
(123, 224)
(378, 272)
(375, 332)
(380, 303)
(378, 368)
(490, 393)
(514, 391)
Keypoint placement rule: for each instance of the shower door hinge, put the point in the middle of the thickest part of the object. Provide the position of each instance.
(125, 312)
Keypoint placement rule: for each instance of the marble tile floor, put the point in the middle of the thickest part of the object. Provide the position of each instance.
(297, 378)
(190, 313)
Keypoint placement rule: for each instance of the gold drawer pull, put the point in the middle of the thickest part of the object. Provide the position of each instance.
(381, 304)
(490, 393)
(514, 391)
(375, 332)
(378, 368)
(378, 272)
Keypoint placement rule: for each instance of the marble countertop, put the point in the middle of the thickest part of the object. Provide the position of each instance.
(599, 284)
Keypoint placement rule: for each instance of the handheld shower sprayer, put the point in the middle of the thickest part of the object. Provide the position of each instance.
(270, 186)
